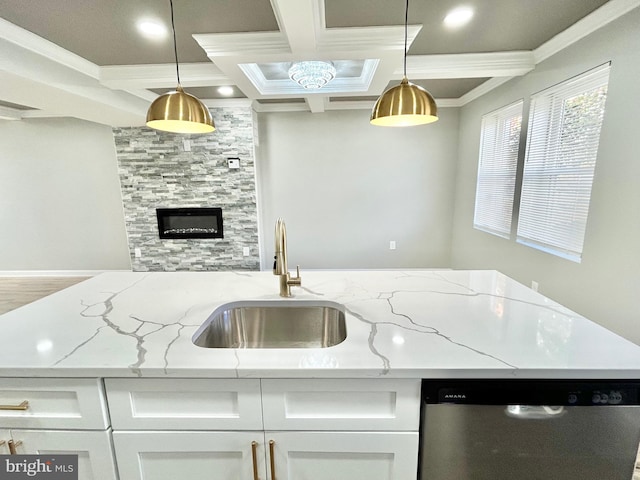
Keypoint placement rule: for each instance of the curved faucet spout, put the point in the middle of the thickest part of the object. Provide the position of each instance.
(280, 267)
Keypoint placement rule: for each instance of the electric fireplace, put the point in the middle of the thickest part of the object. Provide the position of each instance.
(189, 222)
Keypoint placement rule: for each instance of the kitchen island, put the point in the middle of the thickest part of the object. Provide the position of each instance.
(400, 324)
(108, 370)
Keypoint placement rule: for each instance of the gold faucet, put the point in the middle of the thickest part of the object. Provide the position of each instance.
(280, 267)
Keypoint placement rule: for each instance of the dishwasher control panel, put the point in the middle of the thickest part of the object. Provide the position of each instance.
(531, 392)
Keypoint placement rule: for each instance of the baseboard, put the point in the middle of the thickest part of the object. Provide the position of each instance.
(55, 273)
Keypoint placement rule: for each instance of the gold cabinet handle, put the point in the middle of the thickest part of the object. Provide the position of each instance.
(13, 445)
(272, 459)
(254, 457)
(23, 406)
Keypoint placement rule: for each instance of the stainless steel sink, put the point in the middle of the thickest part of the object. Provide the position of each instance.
(273, 324)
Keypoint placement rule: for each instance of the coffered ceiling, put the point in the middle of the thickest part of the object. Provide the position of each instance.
(86, 58)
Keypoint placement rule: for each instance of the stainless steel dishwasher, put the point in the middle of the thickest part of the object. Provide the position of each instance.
(529, 430)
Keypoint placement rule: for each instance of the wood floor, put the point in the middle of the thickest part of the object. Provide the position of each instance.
(18, 291)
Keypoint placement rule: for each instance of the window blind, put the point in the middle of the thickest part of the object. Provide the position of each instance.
(562, 146)
(500, 138)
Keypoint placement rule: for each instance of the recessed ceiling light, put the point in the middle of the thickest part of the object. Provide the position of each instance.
(152, 29)
(458, 17)
(226, 91)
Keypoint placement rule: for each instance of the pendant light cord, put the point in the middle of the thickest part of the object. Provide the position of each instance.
(406, 23)
(175, 43)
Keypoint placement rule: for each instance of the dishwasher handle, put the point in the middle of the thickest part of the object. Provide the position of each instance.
(535, 412)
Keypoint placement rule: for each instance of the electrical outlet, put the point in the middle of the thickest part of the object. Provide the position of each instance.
(392, 245)
(534, 285)
(246, 251)
(186, 143)
(137, 252)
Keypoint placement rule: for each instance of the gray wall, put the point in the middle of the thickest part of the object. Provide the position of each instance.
(346, 189)
(605, 286)
(60, 206)
(156, 171)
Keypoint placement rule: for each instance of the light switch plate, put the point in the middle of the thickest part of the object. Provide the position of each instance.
(234, 162)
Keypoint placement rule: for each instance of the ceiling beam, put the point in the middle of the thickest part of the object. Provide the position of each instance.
(125, 77)
(104, 106)
(7, 113)
(298, 23)
(316, 103)
(30, 41)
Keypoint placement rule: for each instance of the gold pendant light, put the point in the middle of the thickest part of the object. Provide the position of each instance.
(177, 111)
(406, 104)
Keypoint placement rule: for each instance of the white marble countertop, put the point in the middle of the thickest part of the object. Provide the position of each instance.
(413, 323)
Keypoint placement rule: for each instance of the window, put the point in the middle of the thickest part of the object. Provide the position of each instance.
(562, 145)
(497, 170)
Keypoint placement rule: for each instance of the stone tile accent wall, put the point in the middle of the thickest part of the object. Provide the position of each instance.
(156, 172)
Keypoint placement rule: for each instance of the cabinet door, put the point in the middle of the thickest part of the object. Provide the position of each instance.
(95, 456)
(146, 455)
(343, 455)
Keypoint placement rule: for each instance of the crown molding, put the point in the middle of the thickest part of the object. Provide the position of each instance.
(350, 41)
(279, 107)
(338, 105)
(350, 105)
(483, 89)
(469, 65)
(243, 44)
(227, 102)
(607, 13)
(36, 44)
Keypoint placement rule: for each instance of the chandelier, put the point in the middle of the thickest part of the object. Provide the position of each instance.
(312, 74)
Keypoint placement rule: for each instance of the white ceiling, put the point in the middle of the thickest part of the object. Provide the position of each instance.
(85, 59)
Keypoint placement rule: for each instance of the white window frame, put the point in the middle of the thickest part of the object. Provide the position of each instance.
(559, 166)
(497, 167)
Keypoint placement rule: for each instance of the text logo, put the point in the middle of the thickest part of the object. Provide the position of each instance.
(49, 467)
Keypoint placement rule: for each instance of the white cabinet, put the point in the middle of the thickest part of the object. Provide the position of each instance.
(95, 458)
(58, 416)
(343, 455)
(341, 404)
(194, 455)
(184, 404)
(58, 403)
(302, 429)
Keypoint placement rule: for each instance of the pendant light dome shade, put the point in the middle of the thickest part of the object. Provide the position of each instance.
(179, 112)
(404, 105)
